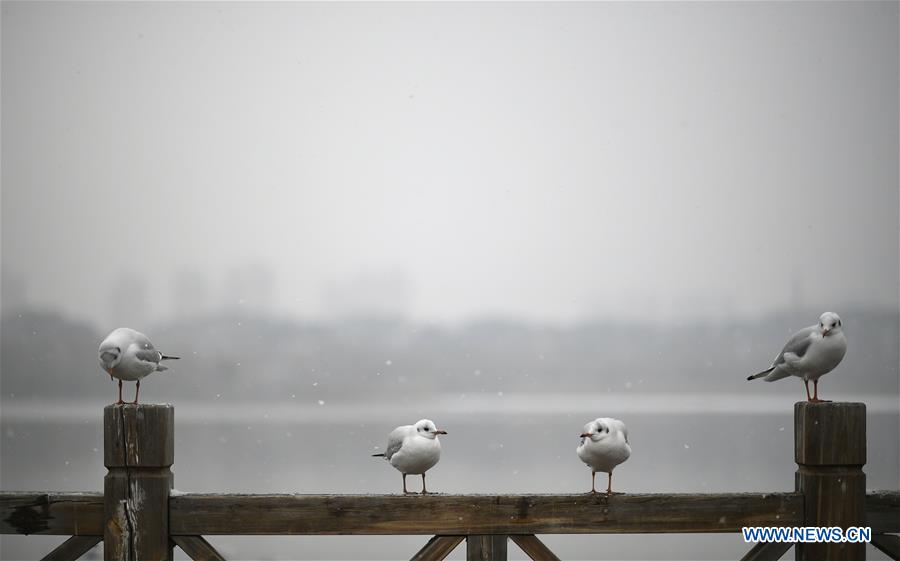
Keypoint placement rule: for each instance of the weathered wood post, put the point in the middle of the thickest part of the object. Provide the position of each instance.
(138, 450)
(830, 451)
(486, 547)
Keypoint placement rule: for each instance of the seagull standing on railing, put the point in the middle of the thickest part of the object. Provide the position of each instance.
(810, 353)
(604, 445)
(129, 355)
(414, 449)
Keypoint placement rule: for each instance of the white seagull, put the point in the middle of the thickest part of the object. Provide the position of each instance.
(414, 449)
(810, 353)
(604, 445)
(127, 354)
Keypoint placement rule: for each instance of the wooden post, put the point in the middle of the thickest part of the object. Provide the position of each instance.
(138, 450)
(830, 451)
(486, 547)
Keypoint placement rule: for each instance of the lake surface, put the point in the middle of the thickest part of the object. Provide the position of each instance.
(496, 444)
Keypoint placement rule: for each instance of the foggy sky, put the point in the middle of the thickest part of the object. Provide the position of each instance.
(547, 161)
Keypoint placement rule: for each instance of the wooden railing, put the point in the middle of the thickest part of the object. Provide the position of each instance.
(138, 519)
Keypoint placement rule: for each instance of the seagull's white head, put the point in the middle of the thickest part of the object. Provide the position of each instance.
(829, 324)
(597, 430)
(111, 352)
(426, 428)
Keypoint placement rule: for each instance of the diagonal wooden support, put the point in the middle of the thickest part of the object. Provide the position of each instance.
(486, 547)
(437, 548)
(887, 544)
(533, 547)
(767, 551)
(72, 548)
(197, 548)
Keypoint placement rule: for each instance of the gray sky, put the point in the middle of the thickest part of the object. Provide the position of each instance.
(547, 161)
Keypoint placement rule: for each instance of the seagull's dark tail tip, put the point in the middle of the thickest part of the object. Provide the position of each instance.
(377, 455)
(760, 374)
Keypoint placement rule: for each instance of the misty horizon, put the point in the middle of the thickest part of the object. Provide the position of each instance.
(252, 289)
(625, 160)
(509, 217)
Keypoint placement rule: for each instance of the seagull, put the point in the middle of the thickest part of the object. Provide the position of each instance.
(810, 353)
(604, 445)
(414, 449)
(127, 354)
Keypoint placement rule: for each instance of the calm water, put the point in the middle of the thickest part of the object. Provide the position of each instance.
(493, 446)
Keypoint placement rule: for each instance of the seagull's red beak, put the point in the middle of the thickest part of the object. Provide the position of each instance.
(585, 435)
(440, 432)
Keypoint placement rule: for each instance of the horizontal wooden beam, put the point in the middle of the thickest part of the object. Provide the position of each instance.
(883, 512)
(191, 514)
(479, 514)
(67, 514)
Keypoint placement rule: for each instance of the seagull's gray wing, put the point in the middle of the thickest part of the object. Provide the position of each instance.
(149, 355)
(145, 349)
(147, 352)
(140, 339)
(395, 441)
(797, 344)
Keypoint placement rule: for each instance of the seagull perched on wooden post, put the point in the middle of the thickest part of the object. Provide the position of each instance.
(127, 354)
(810, 353)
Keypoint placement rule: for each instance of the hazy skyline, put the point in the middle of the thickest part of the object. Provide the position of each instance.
(541, 161)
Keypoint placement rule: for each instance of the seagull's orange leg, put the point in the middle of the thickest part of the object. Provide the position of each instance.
(815, 398)
(593, 480)
(424, 491)
(120, 402)
(404, 485)
(136, 392)
(806, 383)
